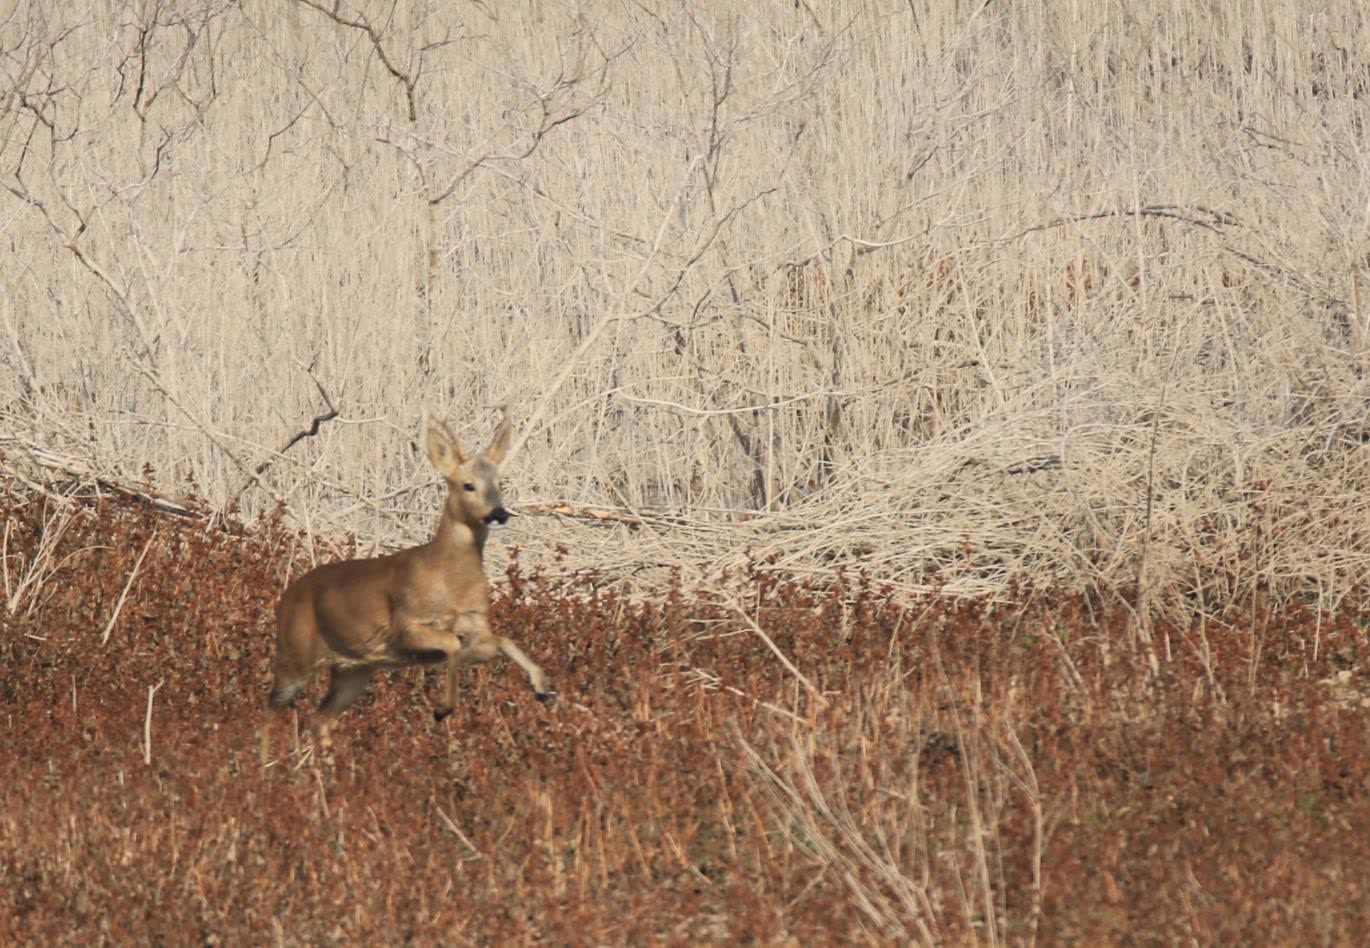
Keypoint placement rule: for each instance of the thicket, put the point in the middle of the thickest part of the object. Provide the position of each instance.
(934, 771)
(1078, 287)
(942, 491)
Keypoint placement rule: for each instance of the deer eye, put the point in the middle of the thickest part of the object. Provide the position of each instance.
(470, 487)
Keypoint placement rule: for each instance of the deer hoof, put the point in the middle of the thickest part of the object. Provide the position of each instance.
(544, 696)
(440, 714)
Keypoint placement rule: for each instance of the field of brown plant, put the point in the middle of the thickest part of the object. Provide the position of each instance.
(818, 764)
(941, 468)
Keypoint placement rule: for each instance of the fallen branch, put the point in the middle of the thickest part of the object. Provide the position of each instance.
(78, 471)
(597, 515)
(123, 596)
(1216, 220)
(775, 650)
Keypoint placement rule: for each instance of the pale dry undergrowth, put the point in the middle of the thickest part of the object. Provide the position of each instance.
(1062, 295)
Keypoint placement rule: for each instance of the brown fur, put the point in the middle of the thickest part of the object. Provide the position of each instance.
(423, 605)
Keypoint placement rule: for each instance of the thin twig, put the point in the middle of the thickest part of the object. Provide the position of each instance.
(147, 724)
(456, 830)
(118, 606)
(775, 650)
(310, 432)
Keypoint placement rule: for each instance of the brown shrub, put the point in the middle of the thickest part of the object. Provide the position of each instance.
(969, 767)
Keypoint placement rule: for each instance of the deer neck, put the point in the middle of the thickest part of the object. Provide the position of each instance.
(458, 538)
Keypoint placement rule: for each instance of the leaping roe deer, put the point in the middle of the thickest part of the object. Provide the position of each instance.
(423, 605)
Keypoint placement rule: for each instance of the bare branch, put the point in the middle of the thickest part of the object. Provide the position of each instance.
(408, 81)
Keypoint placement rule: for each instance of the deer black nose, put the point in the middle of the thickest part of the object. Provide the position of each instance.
(498, 515)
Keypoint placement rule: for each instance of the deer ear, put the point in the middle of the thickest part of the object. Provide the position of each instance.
(499, 445)
(443, 449)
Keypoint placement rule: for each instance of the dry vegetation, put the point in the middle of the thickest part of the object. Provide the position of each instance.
(859, 283)
(942, 772)
(944, 501)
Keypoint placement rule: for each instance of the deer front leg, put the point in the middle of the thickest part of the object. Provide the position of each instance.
(426, 641)
(480, 647)
(534, 673)
(467, 629)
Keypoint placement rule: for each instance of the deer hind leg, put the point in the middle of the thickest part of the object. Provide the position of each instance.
(269, 718)
(283, 691)
(344, 687)
(299, 653)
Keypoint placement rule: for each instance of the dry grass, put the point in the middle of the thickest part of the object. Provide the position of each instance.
(960, 772)
(945, 501)
(1075, 287)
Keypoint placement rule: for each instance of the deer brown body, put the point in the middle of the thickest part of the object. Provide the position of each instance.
(423, 605)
